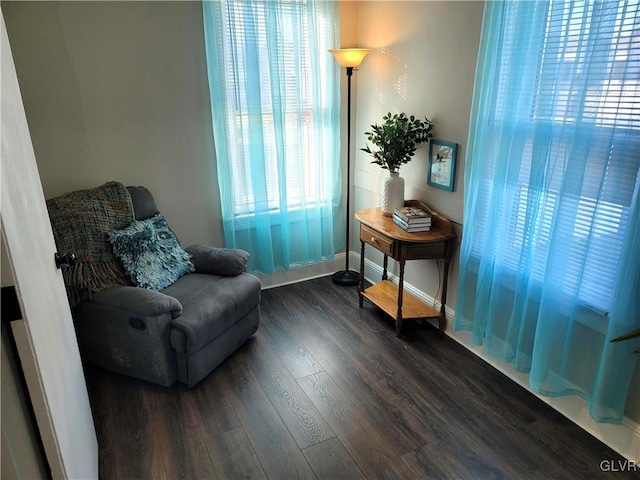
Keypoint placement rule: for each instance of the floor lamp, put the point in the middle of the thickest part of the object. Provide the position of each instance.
(349, 58)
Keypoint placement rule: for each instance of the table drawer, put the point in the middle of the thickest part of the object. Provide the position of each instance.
(382, 243)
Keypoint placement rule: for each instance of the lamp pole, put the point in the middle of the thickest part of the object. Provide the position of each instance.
(349, 58)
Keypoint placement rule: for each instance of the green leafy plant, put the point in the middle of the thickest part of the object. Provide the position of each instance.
(397, 139)
(633, 334)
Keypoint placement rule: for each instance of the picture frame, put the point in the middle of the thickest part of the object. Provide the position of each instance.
(441, 171)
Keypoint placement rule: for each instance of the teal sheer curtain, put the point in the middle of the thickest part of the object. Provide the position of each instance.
(550, 254)
(276, 110)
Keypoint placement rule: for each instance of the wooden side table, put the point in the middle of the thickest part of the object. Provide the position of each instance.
(382, 233)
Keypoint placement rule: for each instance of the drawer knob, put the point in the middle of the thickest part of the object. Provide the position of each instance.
(373, 240)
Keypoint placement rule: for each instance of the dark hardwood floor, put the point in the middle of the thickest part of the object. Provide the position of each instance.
(325, 390)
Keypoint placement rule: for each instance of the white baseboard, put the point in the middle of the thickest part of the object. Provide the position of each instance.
(300, 273)
(624, 439)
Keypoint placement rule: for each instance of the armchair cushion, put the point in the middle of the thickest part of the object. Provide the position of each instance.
(226, 262)
(143, 302)
(144, 205)
(150, 253)
(212, 304)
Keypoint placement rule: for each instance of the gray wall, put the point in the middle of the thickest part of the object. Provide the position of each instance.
(118, 91)
(423, 64)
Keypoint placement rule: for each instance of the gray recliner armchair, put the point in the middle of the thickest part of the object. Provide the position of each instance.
(181, 332)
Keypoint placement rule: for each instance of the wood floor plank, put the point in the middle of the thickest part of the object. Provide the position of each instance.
(414, 406)
(141, 455)
(233, 456)
(477, 412)
(419, 406)
(278, 452)
(440, 461)
(172, 426)
(360, 390)
(185, 437)
(214, 410)
(125, 419)
(486, 402)
(449, 407)
(571, 454)
(291, 351)
(353, 427)
(108, 463)
(439, 359)
(382, 371)
(288, 306)
(331, 461)
(298, 413)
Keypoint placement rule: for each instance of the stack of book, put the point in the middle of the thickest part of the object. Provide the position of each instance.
(412, 219)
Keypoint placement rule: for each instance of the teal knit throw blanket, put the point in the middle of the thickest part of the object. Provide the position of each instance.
(80, 221)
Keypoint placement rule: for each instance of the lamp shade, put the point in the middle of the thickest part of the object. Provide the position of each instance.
(350, 57)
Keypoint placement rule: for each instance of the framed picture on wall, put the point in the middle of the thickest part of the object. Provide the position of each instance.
(442, 164)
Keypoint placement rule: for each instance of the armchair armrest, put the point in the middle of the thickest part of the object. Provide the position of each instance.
(226, 262)
(144, 302)
(128, 329)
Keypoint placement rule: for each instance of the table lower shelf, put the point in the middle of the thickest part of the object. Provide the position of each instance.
(385, 296)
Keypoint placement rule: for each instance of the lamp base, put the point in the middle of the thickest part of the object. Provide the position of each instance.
(346, 278)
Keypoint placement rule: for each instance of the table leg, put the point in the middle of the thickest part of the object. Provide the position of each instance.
(361, 281)
(385, 263)
(400, 292)
(442, 319)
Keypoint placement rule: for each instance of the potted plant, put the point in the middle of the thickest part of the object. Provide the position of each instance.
(396, 139)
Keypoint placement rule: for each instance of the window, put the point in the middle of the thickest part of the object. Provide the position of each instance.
(275, 109)
(284, 99)
(549, 258)
(296, 105)
(572, 85)
(584, 97)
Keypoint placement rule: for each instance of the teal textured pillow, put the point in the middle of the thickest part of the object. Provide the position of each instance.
(151, 253)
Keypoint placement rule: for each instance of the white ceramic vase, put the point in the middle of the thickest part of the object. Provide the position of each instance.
(391, 193)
